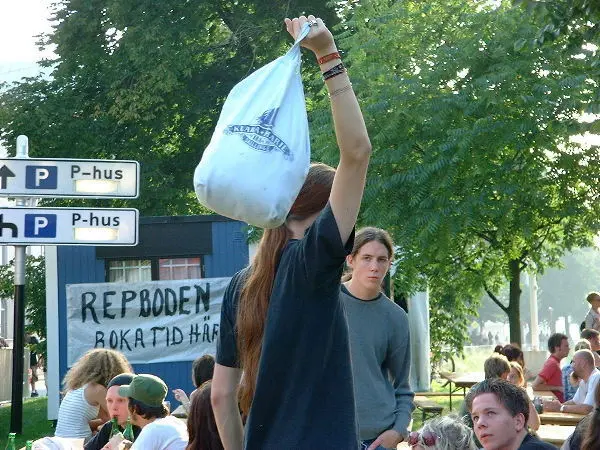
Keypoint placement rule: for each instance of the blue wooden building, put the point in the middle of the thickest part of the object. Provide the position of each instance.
(169, 248)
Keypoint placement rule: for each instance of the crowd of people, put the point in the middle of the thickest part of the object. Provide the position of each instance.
(310, 359)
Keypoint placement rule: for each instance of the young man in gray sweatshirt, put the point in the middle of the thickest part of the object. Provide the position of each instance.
(379, 344)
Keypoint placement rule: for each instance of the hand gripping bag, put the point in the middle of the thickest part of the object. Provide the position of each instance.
(259, 154)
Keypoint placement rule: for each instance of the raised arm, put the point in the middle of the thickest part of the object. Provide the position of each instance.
(224, 400)
(350, 129)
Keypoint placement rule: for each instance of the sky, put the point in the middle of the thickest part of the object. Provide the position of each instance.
(20, 21)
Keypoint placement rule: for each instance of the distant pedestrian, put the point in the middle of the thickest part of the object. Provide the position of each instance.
(592, 319)
(31, 341)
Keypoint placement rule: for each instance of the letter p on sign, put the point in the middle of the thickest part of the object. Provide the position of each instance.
(41, 177)
(40, 225)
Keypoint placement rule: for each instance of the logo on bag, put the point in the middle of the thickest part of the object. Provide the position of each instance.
(261, 137)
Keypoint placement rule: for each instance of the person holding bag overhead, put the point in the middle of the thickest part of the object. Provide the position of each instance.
(282, 321)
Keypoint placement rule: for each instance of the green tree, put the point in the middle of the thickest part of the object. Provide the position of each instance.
(35, 295)
(577, 22)
(145, 80)
(473, 169)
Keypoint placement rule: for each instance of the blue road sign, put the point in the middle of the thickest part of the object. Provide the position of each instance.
(40, 225)
(41, 177)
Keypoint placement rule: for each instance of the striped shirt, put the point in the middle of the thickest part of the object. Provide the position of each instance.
(74, 414)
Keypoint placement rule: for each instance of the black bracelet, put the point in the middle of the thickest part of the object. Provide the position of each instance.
(335, 70)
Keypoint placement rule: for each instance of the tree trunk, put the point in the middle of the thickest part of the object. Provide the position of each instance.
(514, 303)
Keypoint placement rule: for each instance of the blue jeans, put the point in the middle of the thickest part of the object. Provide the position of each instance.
(364, 445)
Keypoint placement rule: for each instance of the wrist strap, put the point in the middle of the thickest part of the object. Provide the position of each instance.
(329, 57)
(334, 71)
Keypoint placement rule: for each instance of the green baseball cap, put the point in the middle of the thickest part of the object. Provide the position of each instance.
(145, 388)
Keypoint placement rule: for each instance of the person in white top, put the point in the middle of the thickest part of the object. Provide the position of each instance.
(160, 431)
(583, 402)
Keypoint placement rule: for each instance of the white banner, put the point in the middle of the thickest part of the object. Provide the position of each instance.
(149, 322)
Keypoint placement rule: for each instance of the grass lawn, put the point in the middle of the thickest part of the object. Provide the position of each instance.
(35, 422)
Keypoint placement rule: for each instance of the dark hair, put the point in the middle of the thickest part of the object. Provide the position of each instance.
(555, 341)
(258, 284)
(588, 334)
(513, 398)
(511, 351)
(496, 366)
(146, 411)
(202, 369)
(120, 380)
(591, 296)
(202, 427)
(591, 441)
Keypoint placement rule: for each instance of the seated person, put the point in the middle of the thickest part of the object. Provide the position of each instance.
(587, 430)
(496, 366)
(83, 407)
(583, 402)
(160, 431)
(569, 385)
(202, 371)
(500, 412)
(593, 337)
(517, 378)
(117, 407)
(442, 433)
(201, 424)
(550, 377)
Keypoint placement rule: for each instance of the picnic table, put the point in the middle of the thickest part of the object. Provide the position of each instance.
(461, 381)
(545, 395)
(558, 418)
(555, 434)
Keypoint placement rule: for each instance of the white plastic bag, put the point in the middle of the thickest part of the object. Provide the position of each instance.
(259, 154)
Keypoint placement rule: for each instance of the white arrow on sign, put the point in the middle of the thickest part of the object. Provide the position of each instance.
(72, 178)
(68, 226)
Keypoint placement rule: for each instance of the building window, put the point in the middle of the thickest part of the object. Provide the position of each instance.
(136, 270)
(130, 270)
(179, 268)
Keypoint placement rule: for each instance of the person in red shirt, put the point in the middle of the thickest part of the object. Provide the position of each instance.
(549, 378)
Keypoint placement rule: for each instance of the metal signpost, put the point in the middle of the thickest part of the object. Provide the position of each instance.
(26, 179)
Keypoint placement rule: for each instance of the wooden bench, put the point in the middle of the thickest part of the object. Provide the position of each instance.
(427, 407)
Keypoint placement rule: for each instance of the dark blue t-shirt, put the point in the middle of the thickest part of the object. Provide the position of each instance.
(304, 397)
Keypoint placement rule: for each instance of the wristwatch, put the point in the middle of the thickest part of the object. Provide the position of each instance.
(562, 408)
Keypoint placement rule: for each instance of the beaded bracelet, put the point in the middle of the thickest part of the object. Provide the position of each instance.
(329, 57)
(334, 71)
(340, 90)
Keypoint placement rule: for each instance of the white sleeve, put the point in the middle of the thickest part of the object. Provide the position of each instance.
(589, 398)
(578, 398)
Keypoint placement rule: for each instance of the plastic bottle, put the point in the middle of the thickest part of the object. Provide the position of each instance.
(28, 445)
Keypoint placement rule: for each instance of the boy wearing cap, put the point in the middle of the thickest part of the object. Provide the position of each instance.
(160, 431)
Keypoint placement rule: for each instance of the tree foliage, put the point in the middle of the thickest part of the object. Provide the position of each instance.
(35, 294)
(473, 169)
(575, 23)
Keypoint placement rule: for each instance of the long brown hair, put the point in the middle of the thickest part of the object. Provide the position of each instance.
(201, 424)
(256, 292)
(591, 441)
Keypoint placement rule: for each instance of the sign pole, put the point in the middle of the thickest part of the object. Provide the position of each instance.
(16, 406)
